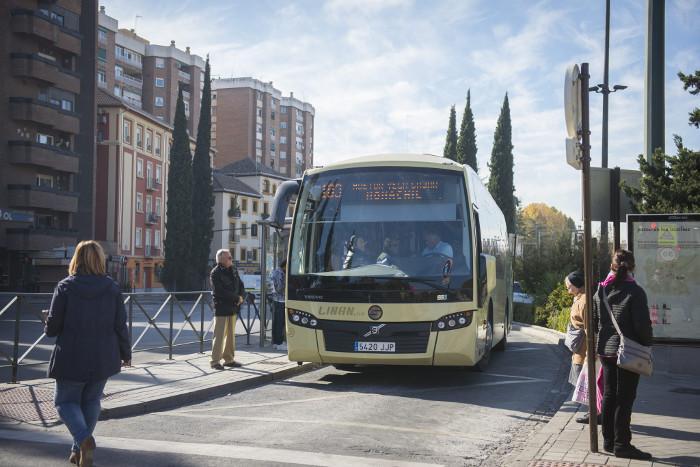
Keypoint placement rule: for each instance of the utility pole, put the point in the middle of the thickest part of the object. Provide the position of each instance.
(654, 101)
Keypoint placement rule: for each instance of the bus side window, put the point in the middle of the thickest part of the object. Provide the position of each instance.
(481, 265)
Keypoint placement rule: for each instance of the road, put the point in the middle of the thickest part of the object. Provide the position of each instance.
(376, 416)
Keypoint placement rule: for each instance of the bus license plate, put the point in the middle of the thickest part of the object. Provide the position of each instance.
(375, 346)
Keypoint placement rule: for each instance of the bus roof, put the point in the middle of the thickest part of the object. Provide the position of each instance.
(378, 160)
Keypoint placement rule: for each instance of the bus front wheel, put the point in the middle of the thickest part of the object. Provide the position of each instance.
(484, 362)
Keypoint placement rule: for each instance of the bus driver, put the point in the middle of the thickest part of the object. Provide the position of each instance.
(435, 246)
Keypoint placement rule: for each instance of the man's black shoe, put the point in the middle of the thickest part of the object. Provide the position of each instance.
(217, 366)
(585, 420)
(609, 447)
(233, 364)
(632, 453)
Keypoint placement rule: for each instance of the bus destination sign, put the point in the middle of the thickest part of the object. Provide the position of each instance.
(385, 191)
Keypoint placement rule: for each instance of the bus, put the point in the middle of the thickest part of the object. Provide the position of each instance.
(398, 259)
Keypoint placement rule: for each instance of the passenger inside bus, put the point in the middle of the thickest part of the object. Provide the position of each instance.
(390, 252)
(357, 253)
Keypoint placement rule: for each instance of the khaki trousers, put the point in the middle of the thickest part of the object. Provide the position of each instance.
(224, 342)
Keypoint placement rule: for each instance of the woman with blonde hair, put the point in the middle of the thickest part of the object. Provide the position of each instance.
(88, 319)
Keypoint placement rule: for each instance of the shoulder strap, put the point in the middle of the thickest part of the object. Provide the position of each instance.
(607, 305)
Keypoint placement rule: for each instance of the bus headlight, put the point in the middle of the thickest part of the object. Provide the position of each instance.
(302, 318)
(457, 320)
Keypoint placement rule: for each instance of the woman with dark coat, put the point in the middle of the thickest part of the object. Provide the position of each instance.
(628, 302)
(88, 319)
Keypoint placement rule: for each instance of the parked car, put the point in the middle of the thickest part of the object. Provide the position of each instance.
(520, 296)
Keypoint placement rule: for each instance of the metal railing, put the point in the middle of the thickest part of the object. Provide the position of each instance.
(170, 315)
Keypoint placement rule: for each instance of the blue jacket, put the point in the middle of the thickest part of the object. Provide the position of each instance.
(88, 317)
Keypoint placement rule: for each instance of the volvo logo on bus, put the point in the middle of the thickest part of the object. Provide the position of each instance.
(375, 312)
(374, 330)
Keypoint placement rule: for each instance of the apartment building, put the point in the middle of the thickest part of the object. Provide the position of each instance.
(147, 76)
(252, 120)
(235, 222)
(47, 128)
(244, 191)
(131, 171)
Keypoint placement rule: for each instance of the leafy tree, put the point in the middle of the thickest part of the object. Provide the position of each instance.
(466, 143)
(451, 140)
(202, 190)
(692, 82)
(556, 310)
(178, 238)
(501, 167)
(671, 184)
(550, 250)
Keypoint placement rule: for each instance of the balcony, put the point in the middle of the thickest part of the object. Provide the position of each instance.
(43, 155)
(34, 23)
(234, 237)
(130, 81)
(42, 69)
(132, 62)
(183, 75)
(234, 213)
(39, 239)
(27, 109)
(152, 218)
(28, 196)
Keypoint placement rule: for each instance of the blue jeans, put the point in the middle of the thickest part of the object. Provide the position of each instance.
(78, 405)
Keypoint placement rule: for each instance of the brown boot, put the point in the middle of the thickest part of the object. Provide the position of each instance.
(87, 451)
(74, 457)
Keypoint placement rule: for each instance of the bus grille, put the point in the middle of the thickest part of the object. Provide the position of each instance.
(340, 336)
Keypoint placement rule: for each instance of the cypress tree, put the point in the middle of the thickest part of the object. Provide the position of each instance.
(466, 143)
(501, 167)
(202, 190)
(451, 140)
(178, 238)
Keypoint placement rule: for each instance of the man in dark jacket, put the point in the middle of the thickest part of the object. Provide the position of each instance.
(227, 290)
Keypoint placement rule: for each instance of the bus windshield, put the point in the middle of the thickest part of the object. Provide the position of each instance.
(376, 228)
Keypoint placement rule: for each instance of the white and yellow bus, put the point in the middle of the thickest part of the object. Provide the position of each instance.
(395, 259)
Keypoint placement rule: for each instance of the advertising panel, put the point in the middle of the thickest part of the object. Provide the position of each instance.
(667, 253)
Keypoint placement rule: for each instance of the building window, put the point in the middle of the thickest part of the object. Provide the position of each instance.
(159, 174)
(156, 239)
(254, 255)
(244, 229)
(272, 115)
(158, 206)
(160, 82)
(266, 209)
(283, 140)
(160, 62)
(254, 230)
(274, 188)
(158, 142)
(272, 132)
(149, 140)
(244, 205)
(149, 171)
(283, 125)
(101, 78)
(283, 110)
(127, 131)
(41, 138)
(117, 91)
(283, 154)
(139, 202)
(139, 167)
(255, 207)
(102, 34)
(102, 53)
(137, 240)
(273, 147)
(266, 187)
(139, 136)
(243, 253)
(44, 181)
(149, 204)
(159, 102)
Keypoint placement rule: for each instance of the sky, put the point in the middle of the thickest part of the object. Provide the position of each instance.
(382, 74)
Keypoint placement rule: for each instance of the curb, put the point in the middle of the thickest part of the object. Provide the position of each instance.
(551, 335)
(199, 395)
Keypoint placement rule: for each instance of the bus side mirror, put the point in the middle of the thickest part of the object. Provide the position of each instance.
(281, 202)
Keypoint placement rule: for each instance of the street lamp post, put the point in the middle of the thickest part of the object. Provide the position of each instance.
(605, 90)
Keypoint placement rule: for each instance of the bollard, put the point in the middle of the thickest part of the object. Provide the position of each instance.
(170, 340)
(201, 323)
(15, 346)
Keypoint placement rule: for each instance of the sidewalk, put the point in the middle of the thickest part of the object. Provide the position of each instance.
(155, 385)
(665, 421)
